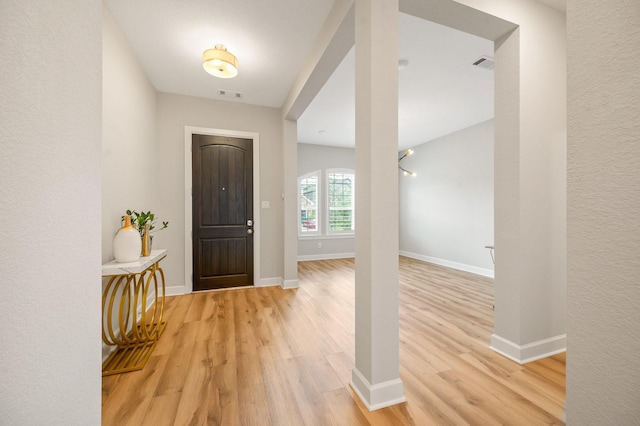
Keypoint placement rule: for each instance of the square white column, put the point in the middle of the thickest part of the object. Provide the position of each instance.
(290, 194)
(376, 375)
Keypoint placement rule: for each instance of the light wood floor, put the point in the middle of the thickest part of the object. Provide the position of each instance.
(268, 356)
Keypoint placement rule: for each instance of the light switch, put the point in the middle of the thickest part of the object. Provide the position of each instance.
(265, 204)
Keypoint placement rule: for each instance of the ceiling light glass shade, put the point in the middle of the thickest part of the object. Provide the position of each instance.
(220, 63)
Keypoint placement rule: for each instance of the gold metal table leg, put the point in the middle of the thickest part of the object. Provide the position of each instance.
(136, 333)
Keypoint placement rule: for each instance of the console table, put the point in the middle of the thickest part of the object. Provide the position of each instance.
(127, 322)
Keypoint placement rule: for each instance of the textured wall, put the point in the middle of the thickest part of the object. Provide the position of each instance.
(50, 101)
(446, 211)
(603, 194)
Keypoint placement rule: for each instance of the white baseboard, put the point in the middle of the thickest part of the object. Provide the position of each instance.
(268, 282)
(175, 290)
(449, 264)
(377, 396)
(533, 351)
(106, 349)
(289, 284)
(327, 256)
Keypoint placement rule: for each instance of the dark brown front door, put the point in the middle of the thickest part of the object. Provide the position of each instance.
(222, 212)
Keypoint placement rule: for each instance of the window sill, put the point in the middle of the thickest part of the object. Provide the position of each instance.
(325, 237)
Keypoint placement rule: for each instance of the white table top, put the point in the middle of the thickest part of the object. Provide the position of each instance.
(115, 268)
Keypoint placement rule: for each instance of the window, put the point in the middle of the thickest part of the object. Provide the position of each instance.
(341, 196)
(308, 190)
(328, 208)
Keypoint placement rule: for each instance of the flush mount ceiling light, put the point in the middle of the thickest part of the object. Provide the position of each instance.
(220, 63)
(405, 171)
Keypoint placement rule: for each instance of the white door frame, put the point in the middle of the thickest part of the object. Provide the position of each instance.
(189, 131)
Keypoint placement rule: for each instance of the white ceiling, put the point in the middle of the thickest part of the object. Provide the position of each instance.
(270, 38)
(439, 91)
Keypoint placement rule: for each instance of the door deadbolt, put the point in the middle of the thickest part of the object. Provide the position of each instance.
(249, 222)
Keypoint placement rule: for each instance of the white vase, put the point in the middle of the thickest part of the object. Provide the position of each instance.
(127, 243)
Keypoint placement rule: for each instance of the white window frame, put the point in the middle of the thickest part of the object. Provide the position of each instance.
(319, 214)
(328, 173)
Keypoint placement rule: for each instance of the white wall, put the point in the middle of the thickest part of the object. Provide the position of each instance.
(316, 157)
(603, 203)
(50, 100)
(177, 111)
(129, 147)
(446, 211)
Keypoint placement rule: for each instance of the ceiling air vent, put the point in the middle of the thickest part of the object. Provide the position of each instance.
(229, 94)
(484, 62)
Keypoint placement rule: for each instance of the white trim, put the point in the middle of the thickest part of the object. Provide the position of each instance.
(175, 290)
(377, 396)
(327, 256)
(289, 284)
(327, 237)
(533, 351)
(108, 350)
(310, 234)
(449, 264)
(269, 282)
(328, 232)
(188, 253)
